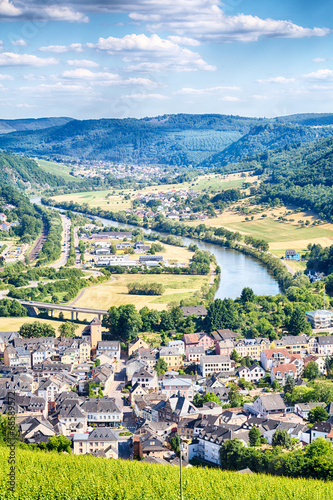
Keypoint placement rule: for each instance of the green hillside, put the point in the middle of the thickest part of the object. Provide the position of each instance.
(24, 173)
(8, 126)
(178, 140)
(265, 137)
(48, 476)
(169, 139)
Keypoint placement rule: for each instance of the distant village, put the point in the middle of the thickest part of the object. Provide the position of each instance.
(117, 401)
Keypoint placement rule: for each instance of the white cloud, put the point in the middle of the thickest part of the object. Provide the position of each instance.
(33, 10)
(6, 77)
(7, 9)
(205, 20)
(60, 49)
(184, 40)
(229, 98)
(277, 79)
(106, 78)
(28, 106)
(321, 74)
(58, 87)
(318, 59)
(82, 63)
(19, 43)
(207, 91)
(146, 96)
(86, 74)
(152, 53)
(63, 13)
(11, 59)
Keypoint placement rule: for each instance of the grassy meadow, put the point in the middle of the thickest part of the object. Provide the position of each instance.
(113, 199)
(13, 324)
(57, 169)
(115, 292)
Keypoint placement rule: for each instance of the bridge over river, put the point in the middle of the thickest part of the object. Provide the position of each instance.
(74, 310)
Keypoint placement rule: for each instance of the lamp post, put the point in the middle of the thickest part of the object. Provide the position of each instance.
(181, 468)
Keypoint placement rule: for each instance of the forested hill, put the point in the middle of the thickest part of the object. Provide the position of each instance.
(8, 126)
(170, 139)
(23, 173)
(186, 140)
(301, 175)
(266, 137)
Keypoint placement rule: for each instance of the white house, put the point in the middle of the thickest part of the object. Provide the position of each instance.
(252, 374)
(146, 378)
(101, 441)
(214, 364)
(109, 347)
(274, 357)
(303, 409)
(267, 404)
(103, 411)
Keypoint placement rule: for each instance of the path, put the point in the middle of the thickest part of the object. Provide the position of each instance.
(290, 269)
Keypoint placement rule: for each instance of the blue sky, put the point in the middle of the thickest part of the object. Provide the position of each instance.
(119, 58)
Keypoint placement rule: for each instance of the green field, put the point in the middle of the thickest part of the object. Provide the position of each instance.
(52, 476)
(57, 169)
(112, 199)
(115, 292)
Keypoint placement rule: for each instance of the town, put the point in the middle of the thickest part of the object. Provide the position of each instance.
(138, 402)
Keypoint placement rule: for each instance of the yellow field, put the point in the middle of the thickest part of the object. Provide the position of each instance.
(13, 324)
(111, 199)
(115, 293)
(279, 235)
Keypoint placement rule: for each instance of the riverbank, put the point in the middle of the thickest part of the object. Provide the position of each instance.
(240, 266)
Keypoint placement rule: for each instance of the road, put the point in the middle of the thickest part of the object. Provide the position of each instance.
(115, 392)
(66, 224)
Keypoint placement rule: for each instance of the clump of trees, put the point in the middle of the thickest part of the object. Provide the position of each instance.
(36, 329)
(12, 308)
(145, 288)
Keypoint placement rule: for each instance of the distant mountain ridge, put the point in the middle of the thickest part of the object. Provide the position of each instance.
(21, 125)
(207, 140)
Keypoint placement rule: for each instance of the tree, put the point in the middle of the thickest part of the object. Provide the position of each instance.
(123, 322)
(297, 323)
(161, 367)
(275, 385)
(318, 414)
(59, 443)
(235, 356)
(254, 436)
(231, 454)
(247, 295)
(311, 371)
(67, 329)
(289, 385)
(9, 307)
(221, 314)
(281, 438)
(36, 329)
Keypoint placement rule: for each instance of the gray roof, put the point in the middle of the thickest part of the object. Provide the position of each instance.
(325, 340)
(272, 402)
(196, 310)
(102, 405)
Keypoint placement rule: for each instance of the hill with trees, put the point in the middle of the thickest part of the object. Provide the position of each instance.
(24, 172)
(265, 137)
(180, 140)
(20, 125)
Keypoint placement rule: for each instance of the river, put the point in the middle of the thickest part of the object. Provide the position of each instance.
(237, 269)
